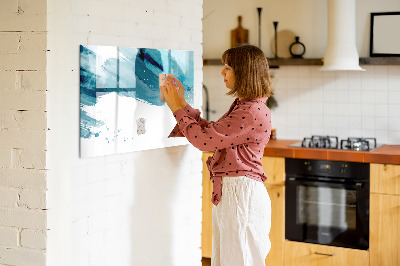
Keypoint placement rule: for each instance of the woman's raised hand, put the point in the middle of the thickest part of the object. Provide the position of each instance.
(174, 94)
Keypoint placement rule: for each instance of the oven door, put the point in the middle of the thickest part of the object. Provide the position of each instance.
(327, 213)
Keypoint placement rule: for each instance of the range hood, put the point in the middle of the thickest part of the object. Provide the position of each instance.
(341, 51)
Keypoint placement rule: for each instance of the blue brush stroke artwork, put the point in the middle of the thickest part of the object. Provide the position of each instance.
(127, 72)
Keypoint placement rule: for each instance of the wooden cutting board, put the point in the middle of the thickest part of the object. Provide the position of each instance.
(239, 35)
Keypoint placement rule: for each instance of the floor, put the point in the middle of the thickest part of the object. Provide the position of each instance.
(206, 261)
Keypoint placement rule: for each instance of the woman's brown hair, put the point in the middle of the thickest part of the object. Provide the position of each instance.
(250, 66)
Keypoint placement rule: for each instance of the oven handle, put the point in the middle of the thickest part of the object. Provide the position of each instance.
(357, 185)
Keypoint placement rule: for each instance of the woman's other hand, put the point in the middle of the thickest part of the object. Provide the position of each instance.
(173, 94)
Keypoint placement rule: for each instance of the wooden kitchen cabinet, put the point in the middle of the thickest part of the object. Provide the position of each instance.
(305, 254)
(277, 233)
(385, 178)
(384, 236)
(206, 225)
(274, 168)
(385, 215)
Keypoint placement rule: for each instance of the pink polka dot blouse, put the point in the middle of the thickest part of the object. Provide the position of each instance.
(238, 139)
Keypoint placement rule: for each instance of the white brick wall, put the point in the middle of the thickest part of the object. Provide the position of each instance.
(8, 197)
(9, 237)
(23, 178)
(23, 218)
(98, 208)
(141, 208)
(33, 239)
(23, 132)
(11, 256)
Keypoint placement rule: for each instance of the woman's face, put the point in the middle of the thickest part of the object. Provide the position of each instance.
(229, 76)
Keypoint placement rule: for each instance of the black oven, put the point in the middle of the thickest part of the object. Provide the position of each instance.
(327, 202)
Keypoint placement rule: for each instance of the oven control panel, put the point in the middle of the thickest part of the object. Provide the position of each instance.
(325, 167)
(337, 169)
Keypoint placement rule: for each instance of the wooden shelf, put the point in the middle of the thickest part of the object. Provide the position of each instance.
(274, 63)
(380, 61)
(212, 62)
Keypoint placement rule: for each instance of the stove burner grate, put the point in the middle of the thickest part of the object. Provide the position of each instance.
(358, 144)
(332, 142)
(327, 142)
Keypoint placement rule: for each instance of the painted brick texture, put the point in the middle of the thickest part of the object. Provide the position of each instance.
(23, 126)
(33, 239)
(9, 237)
(141, 208)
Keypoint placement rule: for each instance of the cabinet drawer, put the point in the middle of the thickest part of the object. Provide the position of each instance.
(297, 254)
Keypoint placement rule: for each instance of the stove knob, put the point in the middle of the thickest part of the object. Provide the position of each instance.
(343, 168)
(308, 166)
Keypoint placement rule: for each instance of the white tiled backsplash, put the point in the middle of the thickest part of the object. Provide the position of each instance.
(314, 102)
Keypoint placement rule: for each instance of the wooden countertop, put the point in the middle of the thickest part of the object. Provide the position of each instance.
(389, 154)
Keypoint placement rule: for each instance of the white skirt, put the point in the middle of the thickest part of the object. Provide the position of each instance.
(241, 223)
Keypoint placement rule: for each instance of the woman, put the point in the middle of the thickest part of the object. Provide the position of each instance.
(242, 208)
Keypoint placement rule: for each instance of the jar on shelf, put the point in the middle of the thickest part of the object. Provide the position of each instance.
(297, 49)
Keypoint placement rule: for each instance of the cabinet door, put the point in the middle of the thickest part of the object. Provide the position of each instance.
(384, 230)
(206, 232)
(274, 168)
(304, 254)
(277, 233)
(385, 178)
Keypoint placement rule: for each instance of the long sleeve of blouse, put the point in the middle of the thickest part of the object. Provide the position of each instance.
(193, 113)
(229, 131)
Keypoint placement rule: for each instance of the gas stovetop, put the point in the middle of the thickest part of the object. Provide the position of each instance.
(332, 142)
